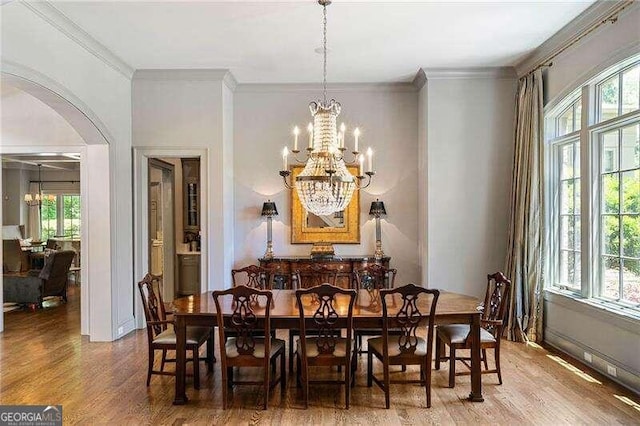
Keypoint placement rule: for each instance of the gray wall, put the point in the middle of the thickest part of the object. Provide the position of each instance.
(386, 115)
(469, 157)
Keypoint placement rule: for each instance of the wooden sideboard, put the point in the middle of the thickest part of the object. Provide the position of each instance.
(284, 266)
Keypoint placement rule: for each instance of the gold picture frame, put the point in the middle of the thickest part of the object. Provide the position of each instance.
(304, 233)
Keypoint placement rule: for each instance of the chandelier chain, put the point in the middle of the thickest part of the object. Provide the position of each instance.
(324, 50)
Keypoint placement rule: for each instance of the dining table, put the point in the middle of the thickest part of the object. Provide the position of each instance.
(200, 310)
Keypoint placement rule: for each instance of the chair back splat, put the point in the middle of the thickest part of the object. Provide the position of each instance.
(495, 303)
(154, 312)
(252, 276)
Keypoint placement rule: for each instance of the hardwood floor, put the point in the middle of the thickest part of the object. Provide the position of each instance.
(44, 360)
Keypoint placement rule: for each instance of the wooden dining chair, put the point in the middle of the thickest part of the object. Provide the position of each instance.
(252, 276)
(401, 310)
(244, 348)
(325, 310)
(456, 336)
(372, 278)
(161, 335)
(313, 275)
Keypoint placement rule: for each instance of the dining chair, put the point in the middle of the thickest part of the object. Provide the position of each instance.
(400, 310)
(456, 336)
(313, 275)
(372, 278)
(325, 310)
(244, 348)
(252, 276)
(161, 335)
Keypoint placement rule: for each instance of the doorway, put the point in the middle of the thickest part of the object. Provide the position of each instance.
(162, 224)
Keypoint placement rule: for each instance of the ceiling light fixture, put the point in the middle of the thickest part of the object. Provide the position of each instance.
(326, 186)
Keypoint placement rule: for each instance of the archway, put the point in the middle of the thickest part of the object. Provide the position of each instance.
(94, 189)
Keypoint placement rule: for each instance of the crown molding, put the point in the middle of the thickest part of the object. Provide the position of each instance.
(464, 73)
(420, 79)
(186, 75)
(594, 14)
(230, 81)
(317, 87)
(49, 13)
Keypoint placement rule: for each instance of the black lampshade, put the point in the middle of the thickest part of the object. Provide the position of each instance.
(269, 209)
(377, 208)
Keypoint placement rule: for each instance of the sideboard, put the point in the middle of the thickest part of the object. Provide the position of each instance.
(284, 266)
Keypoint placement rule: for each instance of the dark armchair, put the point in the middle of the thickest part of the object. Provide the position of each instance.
(33, 287)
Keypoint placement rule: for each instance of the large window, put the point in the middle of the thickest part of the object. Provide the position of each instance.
(595, 173)
(61, 216)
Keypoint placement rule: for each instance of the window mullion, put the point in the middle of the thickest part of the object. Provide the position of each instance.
(60, 215)
(586, 210)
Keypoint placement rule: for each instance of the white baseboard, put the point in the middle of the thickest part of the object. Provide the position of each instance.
(625, 375)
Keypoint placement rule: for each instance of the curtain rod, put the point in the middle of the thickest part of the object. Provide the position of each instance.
(610, 18)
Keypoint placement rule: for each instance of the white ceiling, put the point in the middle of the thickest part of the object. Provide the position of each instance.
(265, 41)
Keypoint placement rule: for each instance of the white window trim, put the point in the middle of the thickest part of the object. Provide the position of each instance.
(588, 142)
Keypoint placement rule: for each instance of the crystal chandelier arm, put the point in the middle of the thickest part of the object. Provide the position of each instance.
(359, 182)
(285, 175)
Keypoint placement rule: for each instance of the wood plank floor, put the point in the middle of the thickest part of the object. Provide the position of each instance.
(44, 360)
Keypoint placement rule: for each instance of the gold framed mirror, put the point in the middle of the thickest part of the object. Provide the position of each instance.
(339, 228)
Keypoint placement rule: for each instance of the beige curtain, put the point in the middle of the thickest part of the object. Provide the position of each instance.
(524, 251)
(34, 215)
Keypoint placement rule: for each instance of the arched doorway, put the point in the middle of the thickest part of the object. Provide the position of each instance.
(94, 189)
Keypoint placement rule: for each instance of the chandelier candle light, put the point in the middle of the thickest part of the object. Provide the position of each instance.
(326, 186)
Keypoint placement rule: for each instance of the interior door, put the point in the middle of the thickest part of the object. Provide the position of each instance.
(161, 224)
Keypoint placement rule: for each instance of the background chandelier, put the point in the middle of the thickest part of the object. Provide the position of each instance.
(325, 186)
(37, 198)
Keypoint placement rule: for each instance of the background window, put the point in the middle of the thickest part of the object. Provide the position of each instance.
(49, 218)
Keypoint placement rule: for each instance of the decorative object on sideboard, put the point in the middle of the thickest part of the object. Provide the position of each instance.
(377, 210)
(326, 186)
(269, 210)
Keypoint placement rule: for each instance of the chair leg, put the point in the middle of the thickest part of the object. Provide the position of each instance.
(283, 375)
(150, 366)
(386, 385)
(497, 360)
(452, 367)
(196, 368)
(164, 359)
(484, 359)
(427, 380)
(439, 347)
(298, 371)
(347, 382)
(225, 385)
(267, 385)
(369, 368)
(305, 384)
(290, 351)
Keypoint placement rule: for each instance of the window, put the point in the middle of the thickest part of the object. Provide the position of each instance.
(565, 145)
(61, 216)
(604, 186)
(49, 217)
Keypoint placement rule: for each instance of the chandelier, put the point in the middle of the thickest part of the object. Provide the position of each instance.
(326, 186)
(37, 198)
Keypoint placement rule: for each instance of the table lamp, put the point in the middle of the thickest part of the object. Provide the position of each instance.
(269, 210)
(377, 210)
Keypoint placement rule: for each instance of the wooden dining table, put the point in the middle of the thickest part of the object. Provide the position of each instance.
(199, 310)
